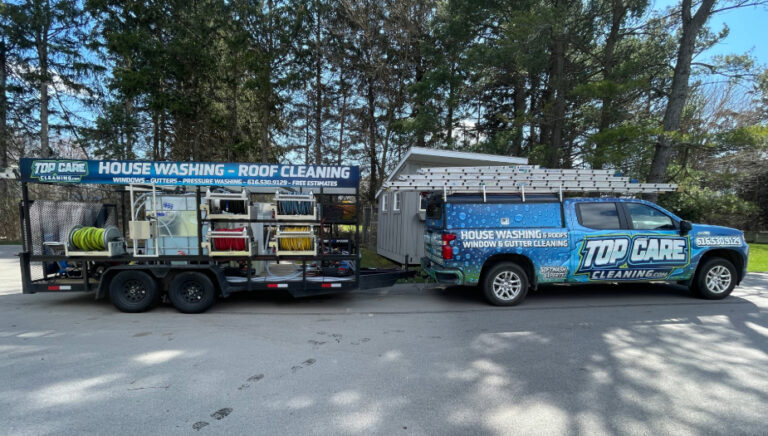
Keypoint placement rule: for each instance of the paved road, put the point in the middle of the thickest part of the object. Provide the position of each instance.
(404, 360)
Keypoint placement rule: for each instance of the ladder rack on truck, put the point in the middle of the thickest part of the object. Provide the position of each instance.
(196, 231)
(522, 179)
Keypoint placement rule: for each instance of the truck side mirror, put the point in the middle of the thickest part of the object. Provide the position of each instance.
(685, 227)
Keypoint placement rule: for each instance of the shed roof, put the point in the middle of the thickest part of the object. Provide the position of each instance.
(434, 157)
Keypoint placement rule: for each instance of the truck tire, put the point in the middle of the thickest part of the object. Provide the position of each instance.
(715, 279)
(192, 292)
(133, 291)
(506, 284)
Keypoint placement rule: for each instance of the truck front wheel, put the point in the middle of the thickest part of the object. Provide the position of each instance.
(133, 291)
(716, 279)
(192, 292)
(506, 284)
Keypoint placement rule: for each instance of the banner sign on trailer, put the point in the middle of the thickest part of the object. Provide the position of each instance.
(120, 172)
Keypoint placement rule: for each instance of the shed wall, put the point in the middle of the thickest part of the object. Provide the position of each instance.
(400, 233)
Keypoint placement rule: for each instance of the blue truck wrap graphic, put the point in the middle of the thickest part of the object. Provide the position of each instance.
(558, 243)
(627, 257)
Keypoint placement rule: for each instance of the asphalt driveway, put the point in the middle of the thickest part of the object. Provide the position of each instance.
(402, 360)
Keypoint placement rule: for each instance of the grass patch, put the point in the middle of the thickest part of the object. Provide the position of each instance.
(758, 258)
(6, 242)
(372, 260)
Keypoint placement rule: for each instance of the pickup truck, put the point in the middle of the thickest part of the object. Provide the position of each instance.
(509, 245)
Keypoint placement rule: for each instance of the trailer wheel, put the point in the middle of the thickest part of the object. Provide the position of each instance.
(506, 284)
(715, 280)
(133, 291)
(192, 292)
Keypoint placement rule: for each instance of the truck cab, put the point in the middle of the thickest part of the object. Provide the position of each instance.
(508, 244)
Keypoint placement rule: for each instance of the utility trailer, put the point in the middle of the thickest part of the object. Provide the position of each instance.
(191, 231)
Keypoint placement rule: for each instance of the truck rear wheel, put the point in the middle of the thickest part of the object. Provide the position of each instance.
(715, 279)
(133, 291)
(506, 284)
(192, 292)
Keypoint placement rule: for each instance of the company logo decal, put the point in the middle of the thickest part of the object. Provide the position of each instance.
(59, 170)
(642, 257)
(554, 272)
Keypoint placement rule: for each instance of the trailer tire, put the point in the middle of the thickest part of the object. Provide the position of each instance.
(506, 284)
(192, 292)
(133, 291)
(715, 279)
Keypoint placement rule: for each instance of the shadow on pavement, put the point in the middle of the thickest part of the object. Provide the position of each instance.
(634, 359)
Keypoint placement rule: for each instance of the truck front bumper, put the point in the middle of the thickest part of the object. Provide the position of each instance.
(441, 275)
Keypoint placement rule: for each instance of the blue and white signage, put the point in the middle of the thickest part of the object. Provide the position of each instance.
(115, 172)
(638, 257)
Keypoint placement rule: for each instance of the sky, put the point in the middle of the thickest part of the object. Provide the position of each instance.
(748, 31)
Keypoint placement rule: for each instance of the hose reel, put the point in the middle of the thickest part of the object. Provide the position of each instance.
(95, 241)
(295, 240)
(296, 207)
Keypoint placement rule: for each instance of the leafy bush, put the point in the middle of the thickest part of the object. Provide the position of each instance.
(707, 206)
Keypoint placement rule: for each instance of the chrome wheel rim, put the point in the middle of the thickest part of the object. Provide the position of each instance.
(507, 285)
(718, 279)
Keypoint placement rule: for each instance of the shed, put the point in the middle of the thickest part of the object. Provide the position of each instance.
(400, 231)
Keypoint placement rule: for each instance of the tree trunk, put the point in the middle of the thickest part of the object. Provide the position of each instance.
(679, 91)
(234, 130)
(518, 109)
(371, 99)
(307, 136)
(129, 132)
(163, 137)
(3, 105)
(267, 96)
(318, 87)
(618, 10)
(155, 137)
(318, 114)
(265, 132)
(557, 118)
(533, 92)
(42, 52)
(450, 103)
(342, 121)
(419, 62)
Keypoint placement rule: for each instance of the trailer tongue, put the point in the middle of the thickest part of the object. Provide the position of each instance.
(193, 231)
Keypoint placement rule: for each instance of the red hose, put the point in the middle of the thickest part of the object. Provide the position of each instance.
(229, 244)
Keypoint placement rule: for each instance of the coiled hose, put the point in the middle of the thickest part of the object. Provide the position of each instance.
(297, 242)
(291, 207)
(88, 238)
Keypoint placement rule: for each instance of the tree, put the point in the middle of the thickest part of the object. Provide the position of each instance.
(51, 35)
(691, 24)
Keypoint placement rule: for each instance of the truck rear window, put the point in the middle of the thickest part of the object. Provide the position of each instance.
(602, 216)
(434, 210)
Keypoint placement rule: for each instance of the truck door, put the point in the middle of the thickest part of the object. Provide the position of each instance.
(658, 251)
(626, 241)
(599, 239)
